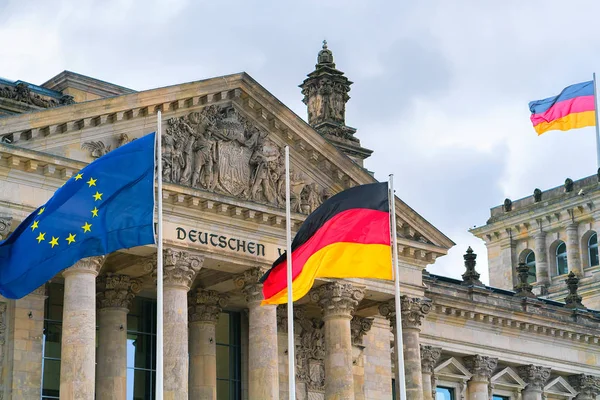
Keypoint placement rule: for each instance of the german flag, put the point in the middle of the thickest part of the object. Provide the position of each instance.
(348, 236)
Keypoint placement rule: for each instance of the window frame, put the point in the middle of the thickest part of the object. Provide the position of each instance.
(560, 256)
(529, 264)
(590, 248)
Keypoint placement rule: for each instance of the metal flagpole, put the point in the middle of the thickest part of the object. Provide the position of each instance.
(597, 127)
(290, 303)
(159, 269)
(396, 267)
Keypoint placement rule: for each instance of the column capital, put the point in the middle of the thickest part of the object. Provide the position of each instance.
(206, 305)
(337, 299)
(115, 290)
(588, 386)
(429, 358)
(5, 223)
(180, 268)
(534, 375)
(414, 309)
(358, 327)
(482, 367)
(248, 282)
(89, 265)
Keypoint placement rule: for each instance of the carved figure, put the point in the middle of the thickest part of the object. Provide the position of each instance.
(311, 198)
(96, 149)
(297, 184)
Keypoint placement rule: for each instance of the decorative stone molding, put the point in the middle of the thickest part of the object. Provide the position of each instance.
(22, 93)
(337, 299)
(482, 367)
(534, 375)
(588, 386)
(282, 320)
(180, 267)
(414, 309)
(90, 265)
(115, 290)
(573, 299)
(524, 288)
(206, 305)
(310, 354)
(248, 282)
(98, 149)
(358, 327)
(5, 223)
(429, 358)
(471, 276)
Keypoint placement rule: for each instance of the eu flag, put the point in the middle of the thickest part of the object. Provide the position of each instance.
(107, 206)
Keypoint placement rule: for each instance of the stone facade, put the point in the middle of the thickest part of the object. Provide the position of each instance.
(224, 224)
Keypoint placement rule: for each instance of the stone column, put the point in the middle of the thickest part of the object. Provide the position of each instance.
(429, 359)
(535, 377)
(588, 386)
(573, 254)
(263, 371)
(541, 260)
(338, 301)
(205, 307)
(115, 293)
(180, 269)
(359, 326)
(78, 356)
(482, 368)
(413, 311)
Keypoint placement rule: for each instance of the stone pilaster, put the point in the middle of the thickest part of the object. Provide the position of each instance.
(535, 376)
(378, 363)
(542, 270)
(482, 368)
(573, 254)
(429, 358)
(359, 326)
(338, 301)
(205, 307)
(180, 269)
(282, 351)
(78, 355)
(263, 375)
(588, 386)
(413, 311)
(115, 293)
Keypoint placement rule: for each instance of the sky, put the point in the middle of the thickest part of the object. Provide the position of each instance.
(441, 88)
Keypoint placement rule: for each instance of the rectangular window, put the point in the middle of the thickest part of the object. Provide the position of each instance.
(52, 342)
(228, 342)
(141, 349)
(497, 397)
(444, 393)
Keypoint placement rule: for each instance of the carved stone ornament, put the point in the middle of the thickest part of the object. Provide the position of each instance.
(471, 276)
(310, 354)
(22, 93)
(5, 223)
(524, 288)
(537, 195)
(337, 299)
(414, 309)
(219, 150)
(507, 205)
(98, 148)
(573, 299)
(568, 185)
(588, 386)
(429, 358)
(180, 268)
(482, 367)
(248, 282)
(90, 265)
(115, 290)
(206, 305)
(535, 376)
(359, 326)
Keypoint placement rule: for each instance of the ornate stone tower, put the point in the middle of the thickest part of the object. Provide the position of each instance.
(325, 95)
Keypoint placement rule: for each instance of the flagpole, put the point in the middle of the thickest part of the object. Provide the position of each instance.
(290, 302)
(597, 127)
(159, 268)
(396, 268)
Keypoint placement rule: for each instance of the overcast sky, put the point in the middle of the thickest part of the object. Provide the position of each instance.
(440, 87)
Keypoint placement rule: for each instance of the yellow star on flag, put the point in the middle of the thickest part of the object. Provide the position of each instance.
(98, 196)
(95, 212)
(41, 210)
(71, 238)
(78, 176)
(54, 241)
(41, 237)
(87, 227)
(92, 182)
(34, 226)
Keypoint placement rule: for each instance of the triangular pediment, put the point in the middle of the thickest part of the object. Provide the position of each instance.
(508, 378)
(232, 132)
(452, 369)
(559, 387)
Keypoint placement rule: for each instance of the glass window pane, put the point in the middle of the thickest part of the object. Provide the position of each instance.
(223, 392)
(594, 256)
(593, 239)
(51, 378)
(138, 351)
(443, 393)
(52, 340)
(222, 330)
(141, 384)
(223, 365)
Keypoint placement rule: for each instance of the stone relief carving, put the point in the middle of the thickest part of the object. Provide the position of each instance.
(22, 93)
(206, 305)
(588, 386)
(5, 223)
(310, 353)
(359, 326)
(482, 367)
(219, 150)
(534, 375)
(180, 267)
(248, 282)
(337, 298)
(115, 290)
(99, 148)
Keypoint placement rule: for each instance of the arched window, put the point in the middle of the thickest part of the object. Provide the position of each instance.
(530, 262)
(593, 250)
(561, 259)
